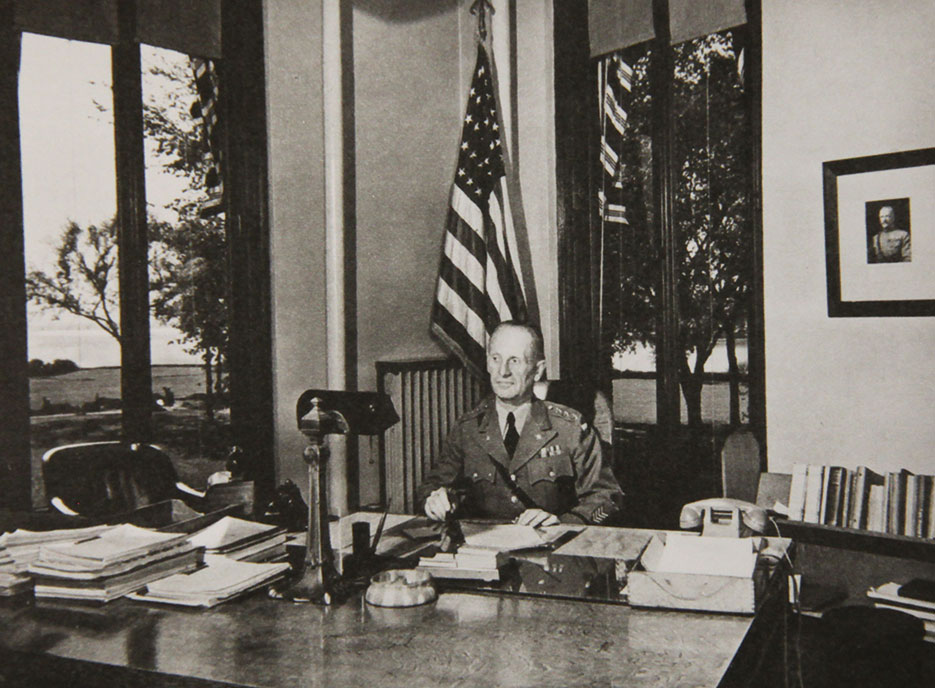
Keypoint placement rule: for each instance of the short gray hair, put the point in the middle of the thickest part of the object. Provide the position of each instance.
(538, 347)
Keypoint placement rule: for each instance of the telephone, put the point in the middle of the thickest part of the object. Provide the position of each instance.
(722, 516)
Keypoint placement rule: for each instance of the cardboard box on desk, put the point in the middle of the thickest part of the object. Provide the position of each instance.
(714, 574)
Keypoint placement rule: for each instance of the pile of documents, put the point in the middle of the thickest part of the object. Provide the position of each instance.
(242, 540)
(468, 562)
(905, 599)
(219, 580)
(21, 548)
(112, 563)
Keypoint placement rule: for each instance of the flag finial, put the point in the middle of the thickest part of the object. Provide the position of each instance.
(480, 8)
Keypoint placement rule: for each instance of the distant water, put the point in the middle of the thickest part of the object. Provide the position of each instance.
(94, 348)
(644, 358)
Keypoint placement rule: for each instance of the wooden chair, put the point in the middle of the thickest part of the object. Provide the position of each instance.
(740, 466)
(100, 479)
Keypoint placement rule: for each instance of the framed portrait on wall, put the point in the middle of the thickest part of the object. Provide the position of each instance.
(880, 234)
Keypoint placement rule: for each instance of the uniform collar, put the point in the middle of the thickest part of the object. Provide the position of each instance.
(520, 414)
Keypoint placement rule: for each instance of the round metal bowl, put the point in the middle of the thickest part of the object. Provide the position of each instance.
(401, 588)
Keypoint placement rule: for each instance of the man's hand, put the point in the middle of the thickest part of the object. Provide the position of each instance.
(437, 504)
(533, 517)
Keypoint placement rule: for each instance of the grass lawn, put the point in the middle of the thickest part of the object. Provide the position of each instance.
(197, 446)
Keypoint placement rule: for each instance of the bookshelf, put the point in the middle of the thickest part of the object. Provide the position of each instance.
(869, 541)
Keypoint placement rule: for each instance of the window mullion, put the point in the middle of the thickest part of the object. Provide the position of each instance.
(14, 383)
(669, 354)
(132, 241)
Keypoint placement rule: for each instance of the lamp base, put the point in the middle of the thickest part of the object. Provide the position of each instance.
(316, 584)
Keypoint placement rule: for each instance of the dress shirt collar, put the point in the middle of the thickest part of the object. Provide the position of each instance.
(520, 414)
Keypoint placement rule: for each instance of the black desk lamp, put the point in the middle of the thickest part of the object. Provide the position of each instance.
(321, 413)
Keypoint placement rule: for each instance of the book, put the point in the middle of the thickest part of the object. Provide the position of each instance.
(797, 492)
(930, 525)
(863, 480)
(876, 508)
(924, 506)
(832, 495)
(896, 501)
(814, 482)
(910, 523)
(844, 515)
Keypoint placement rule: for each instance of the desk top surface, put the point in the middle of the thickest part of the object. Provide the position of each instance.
(461, 639)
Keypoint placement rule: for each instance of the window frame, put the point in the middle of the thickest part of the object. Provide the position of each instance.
(242, 105)
(579, 237)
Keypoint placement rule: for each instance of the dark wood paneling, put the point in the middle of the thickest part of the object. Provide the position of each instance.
(756, 352)
(14, 384)
(136, 374)
(243, 111)
(669, 357)
(576, 111)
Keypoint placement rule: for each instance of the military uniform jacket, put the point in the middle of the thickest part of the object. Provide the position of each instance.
(557, 464)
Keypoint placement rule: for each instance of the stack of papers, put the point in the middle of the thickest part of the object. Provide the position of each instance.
(218, 581)
(242, 540)
(21, 548)
(115, 562)
(468, 562)
(712, 556)
(887, 596)
(507, 537)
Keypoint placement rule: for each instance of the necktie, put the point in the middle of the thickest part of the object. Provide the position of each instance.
(511, 437)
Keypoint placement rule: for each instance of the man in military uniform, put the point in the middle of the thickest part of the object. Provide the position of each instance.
(516, 457)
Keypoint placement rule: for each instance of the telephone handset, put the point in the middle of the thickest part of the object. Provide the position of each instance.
(724, 516)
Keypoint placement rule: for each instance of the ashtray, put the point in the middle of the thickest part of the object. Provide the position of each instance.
(401, 588)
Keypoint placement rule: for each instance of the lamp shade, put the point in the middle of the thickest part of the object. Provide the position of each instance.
(364, 413)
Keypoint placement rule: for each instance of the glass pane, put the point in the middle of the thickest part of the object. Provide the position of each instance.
(625, 215)
(714, 229)
(69, 205)
(188, 274)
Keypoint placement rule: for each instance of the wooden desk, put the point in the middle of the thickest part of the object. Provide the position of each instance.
(462, 639)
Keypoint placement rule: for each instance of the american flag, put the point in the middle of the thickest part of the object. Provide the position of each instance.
(206, 110)
(479, 280)
(616, 78)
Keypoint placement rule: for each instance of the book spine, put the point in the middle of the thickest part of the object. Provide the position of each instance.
(923, 509)
(831, 495)
(797, 492)
(930, 528)
(813, 490)
(876, 508)
(847, 502)
(911, 505)
(858, 516)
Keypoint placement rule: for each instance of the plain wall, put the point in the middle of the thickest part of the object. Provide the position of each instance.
(840, 80)
(297, 211)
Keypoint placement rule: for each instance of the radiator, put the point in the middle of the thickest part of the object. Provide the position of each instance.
(428, 395)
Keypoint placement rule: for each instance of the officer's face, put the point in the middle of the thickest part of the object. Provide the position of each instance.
(510, 365)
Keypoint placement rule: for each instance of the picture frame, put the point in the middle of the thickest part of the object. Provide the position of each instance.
(880, 234)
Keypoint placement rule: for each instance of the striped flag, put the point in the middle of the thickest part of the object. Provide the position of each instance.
(206, 110)
(616, 77)
(479, 279)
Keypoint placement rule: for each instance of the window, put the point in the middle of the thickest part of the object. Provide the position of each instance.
(712, 228)
(176, 348)
(659, 233)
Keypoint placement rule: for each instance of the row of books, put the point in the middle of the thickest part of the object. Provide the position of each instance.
(895, 502)
(107, 562)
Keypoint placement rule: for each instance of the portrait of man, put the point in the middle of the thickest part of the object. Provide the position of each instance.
(888, 234)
